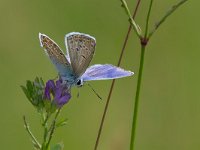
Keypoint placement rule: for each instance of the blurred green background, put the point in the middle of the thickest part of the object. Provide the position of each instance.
(169, 111)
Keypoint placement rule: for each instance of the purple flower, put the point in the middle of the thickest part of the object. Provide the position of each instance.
(49, 88)
(61, 97)
(60, 92)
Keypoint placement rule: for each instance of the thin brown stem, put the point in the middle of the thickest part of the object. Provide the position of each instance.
(113, 81)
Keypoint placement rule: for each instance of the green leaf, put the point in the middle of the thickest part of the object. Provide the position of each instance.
(42, 82)
(58, 146)
(26, 92)
(34, 92)
(61, 123)
(29, 86)
(37, 80)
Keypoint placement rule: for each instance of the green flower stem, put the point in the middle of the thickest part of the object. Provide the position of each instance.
(169, 12)
(52, 128)
(135, 112)
(44, 124)
(36, 143)
(45, 118)
(144, 42)
(147, 20)
(136, 28)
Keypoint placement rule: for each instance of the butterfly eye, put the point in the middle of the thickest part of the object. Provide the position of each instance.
(79, 82)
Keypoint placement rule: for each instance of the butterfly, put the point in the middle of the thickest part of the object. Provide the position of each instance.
(73, 67)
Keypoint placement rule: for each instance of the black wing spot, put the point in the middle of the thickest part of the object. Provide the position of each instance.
(83, 56)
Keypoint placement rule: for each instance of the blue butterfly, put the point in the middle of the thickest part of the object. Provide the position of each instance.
(73, 68)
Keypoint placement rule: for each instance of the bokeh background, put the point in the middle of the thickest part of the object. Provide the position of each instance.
(169, 110)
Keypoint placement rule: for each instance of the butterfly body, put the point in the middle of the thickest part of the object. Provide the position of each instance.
(73, 67)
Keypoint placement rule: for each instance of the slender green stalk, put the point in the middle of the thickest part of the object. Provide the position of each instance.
(52, 128)
(45, 118)
(36, 143)
(136, 106)
(169, 12)
(147, 20)
(136, 28)
(144, 42)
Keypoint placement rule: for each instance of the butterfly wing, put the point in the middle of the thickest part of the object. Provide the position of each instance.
(56, 56)
(80, 50)
(105, 72)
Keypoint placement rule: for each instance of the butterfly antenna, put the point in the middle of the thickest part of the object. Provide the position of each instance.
(94, 91)
(78, 94)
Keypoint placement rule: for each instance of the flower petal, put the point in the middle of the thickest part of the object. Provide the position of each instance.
(58, 93)
(58, 83)
(63, 100)
(50, 87)
(50, 84)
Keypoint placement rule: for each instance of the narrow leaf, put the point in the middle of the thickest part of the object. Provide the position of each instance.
(29, 86)
(26, 92)
(61, 123)
(58, 146)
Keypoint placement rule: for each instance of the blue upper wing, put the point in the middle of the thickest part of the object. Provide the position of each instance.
(57, 57)
(105, 72)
